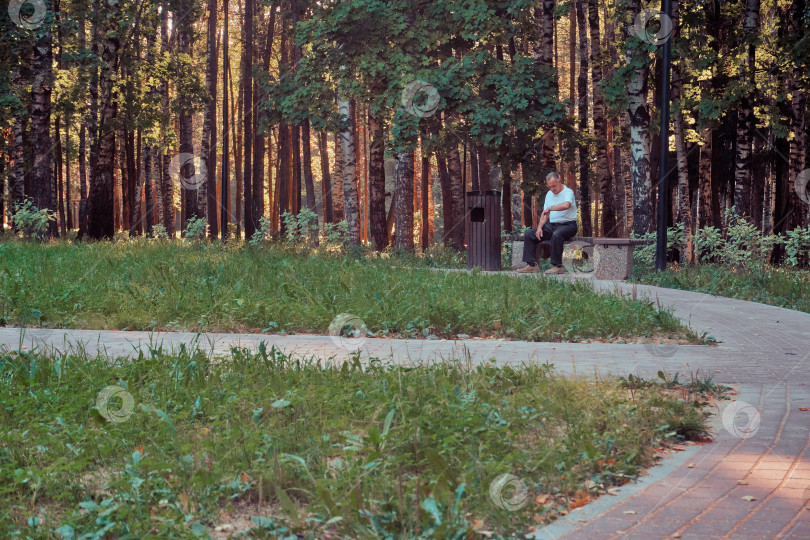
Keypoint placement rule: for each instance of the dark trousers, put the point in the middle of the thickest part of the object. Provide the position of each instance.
(554, 233)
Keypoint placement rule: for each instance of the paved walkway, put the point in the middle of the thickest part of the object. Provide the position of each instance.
(753, 482)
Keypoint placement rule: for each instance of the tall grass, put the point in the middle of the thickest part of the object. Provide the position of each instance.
(154, 285)
(289, 445)
(778, 286)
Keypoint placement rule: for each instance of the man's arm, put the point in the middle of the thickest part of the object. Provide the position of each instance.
(557, 208)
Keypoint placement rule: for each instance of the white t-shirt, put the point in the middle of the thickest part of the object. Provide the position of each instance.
(559, 216)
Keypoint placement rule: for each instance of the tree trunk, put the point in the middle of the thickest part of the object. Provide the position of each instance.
(248, 119)
(545, 58)
(351, 201)
(455, 231)
(206, 195)
(42, 178)
(426, 207)
(337, 188)
(309, 182)
(796, 209)
(604, 177)
(100, 214)
(259, 143)
(745, 115)
(705, 218)
(684, 209)
(376, 168)
(326, 179)
(166, 181)
(225, 178)
(584, 152)
(639, 134)
(404, 212)
(187, 169)
(59, 177)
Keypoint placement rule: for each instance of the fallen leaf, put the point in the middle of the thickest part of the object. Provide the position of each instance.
(742, 482)
(478, 524)
(542, 499)
(691, 465)
(580, 499)
(676, 535)
(749, 498)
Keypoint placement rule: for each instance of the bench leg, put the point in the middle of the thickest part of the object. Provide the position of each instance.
(517, 255)
(613, 262)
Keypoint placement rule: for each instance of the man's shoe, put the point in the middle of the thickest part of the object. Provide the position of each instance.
(555, 270)
(528, 270)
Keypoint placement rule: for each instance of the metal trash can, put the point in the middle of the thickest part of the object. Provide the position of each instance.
(484, 230)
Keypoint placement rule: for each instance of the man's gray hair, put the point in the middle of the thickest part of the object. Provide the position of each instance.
(552, 174)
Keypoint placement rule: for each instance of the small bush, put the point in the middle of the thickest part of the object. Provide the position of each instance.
(30, 220)
(195, 228)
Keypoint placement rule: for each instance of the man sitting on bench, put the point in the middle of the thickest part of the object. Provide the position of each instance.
(558, 223)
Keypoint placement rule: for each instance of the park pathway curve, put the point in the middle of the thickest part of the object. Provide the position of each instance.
(752, 482)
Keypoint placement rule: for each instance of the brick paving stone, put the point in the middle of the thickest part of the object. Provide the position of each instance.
(762, 350)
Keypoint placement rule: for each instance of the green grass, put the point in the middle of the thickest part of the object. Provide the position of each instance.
(783, 287)
(165, 285)
(291, 446)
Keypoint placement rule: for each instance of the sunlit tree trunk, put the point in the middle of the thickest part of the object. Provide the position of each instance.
(745, 115)
(351, 199)
(639, 132)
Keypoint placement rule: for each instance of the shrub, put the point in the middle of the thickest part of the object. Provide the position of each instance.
(30, 220)
(159, 232)
(195, 228)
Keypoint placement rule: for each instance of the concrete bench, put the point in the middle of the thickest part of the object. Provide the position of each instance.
(612, 258)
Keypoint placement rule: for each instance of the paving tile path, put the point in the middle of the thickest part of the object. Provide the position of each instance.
(752, 482)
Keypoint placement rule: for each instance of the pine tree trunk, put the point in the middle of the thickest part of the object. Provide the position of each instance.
(100, 214)
(584, 152)
(59, 176)
(427, 215)
(455, 231)
(306, 161)
(545, 58)
(404, 213)
(796, 208)
(337, 181)
(326, 179)
(376, 166)
(187, 170)
(604, 178)
(248, 118)
(206, 195)
(351, 201)
(705, 218)
(42, 175)
(639, 134)
(166, 181)
(225, 177)
(745, 116)
(258, 142)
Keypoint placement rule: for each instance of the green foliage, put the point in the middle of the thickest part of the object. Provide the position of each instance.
(301, 229)
(31, 221)
(195, 229)
(337, 449)
(159, 232)
(264, 233)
